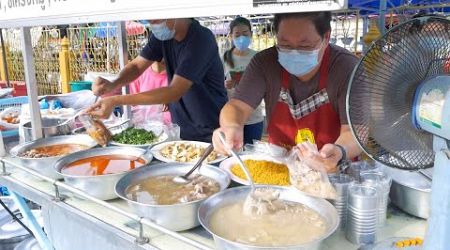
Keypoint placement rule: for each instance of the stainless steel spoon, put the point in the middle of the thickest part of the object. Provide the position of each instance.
(261, 196)
(239, 160)
(184, 179)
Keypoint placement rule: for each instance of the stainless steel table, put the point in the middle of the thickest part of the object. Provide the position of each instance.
(77, 223)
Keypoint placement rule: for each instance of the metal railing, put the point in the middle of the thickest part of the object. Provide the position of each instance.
(140, 238)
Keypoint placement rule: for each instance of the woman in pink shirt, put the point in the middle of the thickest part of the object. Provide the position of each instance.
(154, 77)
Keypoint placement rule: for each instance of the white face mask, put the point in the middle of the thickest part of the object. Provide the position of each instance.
(299, 62)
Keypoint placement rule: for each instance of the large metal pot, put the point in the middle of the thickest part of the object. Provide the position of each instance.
(28, 244)
(177, 217)
(410, 191)
(101, 186)
(50, 127)
(12, 233)
(9, 202)
(44, 166)
(233, 195)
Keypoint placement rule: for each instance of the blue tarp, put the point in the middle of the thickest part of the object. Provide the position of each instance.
(372, 6)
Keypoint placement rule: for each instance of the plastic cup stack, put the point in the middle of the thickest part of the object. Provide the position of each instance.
(382, 182)
(357, 168)
(362, 208)
(341, 182)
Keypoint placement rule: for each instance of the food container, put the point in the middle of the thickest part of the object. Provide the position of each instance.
(410, 191)
(50, 127)
(238, 194)
(100, 186)
(80, 85)
(362, 214)
(45, 165)
(12, 233)
(177, 217)
(28, 244)
(341, 182)
(9, 202)
(382, 182)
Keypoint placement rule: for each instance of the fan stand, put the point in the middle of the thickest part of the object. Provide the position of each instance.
(439, 221)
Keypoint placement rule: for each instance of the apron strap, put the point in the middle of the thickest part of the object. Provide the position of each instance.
(284, 79)
(324, 68)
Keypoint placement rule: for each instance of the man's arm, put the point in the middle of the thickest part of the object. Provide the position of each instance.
(131, 71)
(332, 154)
(178, 87)
(348, 141)
(172, 93)
(235, 113)
(232, 119)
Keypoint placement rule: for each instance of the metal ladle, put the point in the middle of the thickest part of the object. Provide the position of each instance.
(261, 197)
(239, 160)
(184, 179)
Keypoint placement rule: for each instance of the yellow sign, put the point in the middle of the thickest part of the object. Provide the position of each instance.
(305, 135)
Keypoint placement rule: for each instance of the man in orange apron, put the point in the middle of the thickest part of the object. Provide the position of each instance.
(303, 81)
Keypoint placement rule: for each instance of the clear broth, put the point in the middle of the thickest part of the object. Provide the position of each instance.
(162, 190)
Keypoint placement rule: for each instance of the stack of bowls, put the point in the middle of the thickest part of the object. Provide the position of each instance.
(382, 182)
(361, 227)
(341, 182)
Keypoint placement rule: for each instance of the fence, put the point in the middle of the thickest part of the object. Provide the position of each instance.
(94, 47)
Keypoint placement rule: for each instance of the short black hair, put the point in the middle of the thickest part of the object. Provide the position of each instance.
(321, 20)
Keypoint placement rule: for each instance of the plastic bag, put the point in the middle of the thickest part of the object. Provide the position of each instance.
(306, 172)
(264, 148)
(96, 129)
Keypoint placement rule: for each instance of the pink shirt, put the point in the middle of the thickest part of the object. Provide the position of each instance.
(149, 80)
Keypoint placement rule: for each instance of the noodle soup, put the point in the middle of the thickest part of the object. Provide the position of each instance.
(287, 224)
(162, 190)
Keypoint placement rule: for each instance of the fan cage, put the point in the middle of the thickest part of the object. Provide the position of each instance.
(382, 86)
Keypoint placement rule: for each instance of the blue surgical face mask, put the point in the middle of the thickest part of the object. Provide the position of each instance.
(298, 62)
(242, 42)
(162, 32)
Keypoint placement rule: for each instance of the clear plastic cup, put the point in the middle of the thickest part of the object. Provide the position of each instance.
(382, 182)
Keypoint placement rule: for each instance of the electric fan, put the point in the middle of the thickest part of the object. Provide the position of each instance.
(398, 107)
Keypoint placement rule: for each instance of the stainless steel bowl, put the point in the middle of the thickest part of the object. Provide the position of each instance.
(100, 186)
(410, 191)
(233, 195)
(177, 217)
(45, 165)
(50, 127)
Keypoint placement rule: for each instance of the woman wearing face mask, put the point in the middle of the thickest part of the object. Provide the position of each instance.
(303, 81)
(235, 61)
